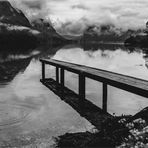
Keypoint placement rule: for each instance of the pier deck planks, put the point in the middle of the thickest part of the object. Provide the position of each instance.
(130, 84)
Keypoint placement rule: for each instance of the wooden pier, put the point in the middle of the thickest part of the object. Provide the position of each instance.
(127, 83)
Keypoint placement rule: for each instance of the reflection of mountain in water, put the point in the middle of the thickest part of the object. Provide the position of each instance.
(9, 69)
(91, 46)
(46, 51)
(37, 52)
(108, 46)
(14, 61)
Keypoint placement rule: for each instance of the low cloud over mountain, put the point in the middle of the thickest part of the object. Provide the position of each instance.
(74, 14)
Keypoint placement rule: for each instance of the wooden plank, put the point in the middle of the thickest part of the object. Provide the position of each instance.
(131, 84)
(57, 74)
(81, 86)
(43, 70)
(105, 97)
(62, 79)
(88, 110)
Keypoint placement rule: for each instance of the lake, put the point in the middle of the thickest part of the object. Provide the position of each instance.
(32, 114)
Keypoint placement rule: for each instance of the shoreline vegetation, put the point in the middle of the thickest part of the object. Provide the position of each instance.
(121, 132)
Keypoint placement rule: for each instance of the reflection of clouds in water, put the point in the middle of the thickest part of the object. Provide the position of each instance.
(117, 61)
(27, 84)
(44, 109)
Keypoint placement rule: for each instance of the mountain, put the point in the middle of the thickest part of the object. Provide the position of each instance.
(10, 15)
(42, 25)
(15, 29)
(16, 32)
(48, 34)
(139, 39)
(46, 29)
(106, 33)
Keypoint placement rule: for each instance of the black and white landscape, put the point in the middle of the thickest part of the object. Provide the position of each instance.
(109, 35)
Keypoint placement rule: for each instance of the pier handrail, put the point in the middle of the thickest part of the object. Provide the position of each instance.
(127, 83)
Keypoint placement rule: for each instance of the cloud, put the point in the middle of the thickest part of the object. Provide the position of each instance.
(72, 14)
(80, 6)
(33, 8)
(74, 28)
(33, 4)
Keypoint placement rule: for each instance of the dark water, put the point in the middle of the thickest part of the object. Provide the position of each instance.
(31, 115)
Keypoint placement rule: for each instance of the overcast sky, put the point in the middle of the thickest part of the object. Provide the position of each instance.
(77, 14)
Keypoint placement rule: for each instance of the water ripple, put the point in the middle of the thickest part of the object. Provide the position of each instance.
(12, 114)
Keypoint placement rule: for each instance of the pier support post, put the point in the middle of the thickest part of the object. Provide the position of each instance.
(81, 86)
(62, 74)
(43, 71)
(57, 74)
(105, 97)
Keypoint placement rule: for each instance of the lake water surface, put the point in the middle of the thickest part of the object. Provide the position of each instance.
(32, 114)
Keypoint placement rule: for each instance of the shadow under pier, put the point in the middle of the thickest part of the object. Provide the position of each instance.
(85, 108)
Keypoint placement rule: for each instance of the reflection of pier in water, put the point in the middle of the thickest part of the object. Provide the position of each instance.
(78, 101)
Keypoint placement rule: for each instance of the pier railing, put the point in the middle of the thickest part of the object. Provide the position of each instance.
(127, 83)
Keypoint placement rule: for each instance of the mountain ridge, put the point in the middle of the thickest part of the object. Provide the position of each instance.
(11, 15)
(16, 30)
(106, 33)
